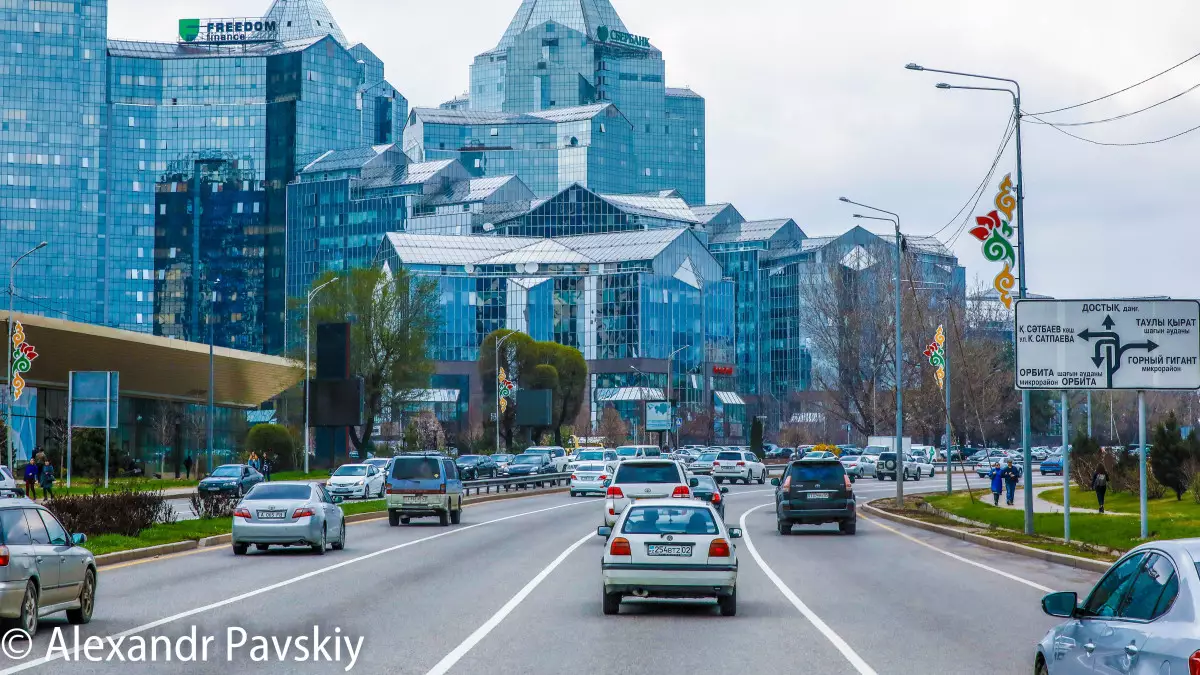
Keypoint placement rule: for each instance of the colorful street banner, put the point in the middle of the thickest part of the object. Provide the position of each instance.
(995, 230)
(23, 355)
(507, 389)
(936, 353)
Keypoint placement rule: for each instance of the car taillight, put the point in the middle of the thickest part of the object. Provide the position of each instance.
(242, 513)
(574, 477)
(681, 492)
(620, 546)
(719, 548)
(4, 558)
(848, 487)
(603, 477)
(716, 498)
(741, 464)
(787, 482)
(1193, 662)
(615, 492)
(300, 513)
(390, 491)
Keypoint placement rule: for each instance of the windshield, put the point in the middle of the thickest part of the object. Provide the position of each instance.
(590, 467)
(528, 459)
(669, 520)
(820, 473)
(227, 472)
(416, 468)
(627, 451)
(590, 455)
(377, 462)
(729, 456)
(657, 472)
(277, 491)
(707, 457)
(469, 459)
(502, 458)
(350, 470)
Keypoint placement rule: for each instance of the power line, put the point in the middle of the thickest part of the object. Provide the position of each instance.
(1121, 91)
(987, 179)
(1104, 143)
(50, 309)
(1118, 117)
(975, 196)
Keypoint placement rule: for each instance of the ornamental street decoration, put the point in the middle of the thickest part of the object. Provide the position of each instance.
(23, 356)
(995, 230)
(507, 389)
(936, 353)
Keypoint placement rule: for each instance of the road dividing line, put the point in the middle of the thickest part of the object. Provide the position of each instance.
(981, 566)
(852, 656)
(473, 639)
(74, 654)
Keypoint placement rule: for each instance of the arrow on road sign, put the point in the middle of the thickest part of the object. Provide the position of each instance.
(1108, 322)
(1115, 350)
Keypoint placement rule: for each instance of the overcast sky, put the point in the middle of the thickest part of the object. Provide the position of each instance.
(809, 100)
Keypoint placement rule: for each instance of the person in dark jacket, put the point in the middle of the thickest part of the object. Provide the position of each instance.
(1100, 485)
(47, 480)
(31, 477)
(997, 482)
(1010, 476)
(187, 466)
(267, 461)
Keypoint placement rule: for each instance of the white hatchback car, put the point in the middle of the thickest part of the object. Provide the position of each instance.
(356, 480)
(669, 548)
(735, 465)
(638, 479)
(590, 478)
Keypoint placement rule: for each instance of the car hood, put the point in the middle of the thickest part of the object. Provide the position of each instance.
(522, 468)
(210, 480)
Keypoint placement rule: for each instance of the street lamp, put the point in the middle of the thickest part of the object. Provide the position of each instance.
(899, 444)
(307, 362)
(212, 303)
(497, 385)
(12, 291)
(671, 388)
(1015, 93)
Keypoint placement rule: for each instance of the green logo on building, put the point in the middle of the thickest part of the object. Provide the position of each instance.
(189, 29)
(602, 33)
(616, 37)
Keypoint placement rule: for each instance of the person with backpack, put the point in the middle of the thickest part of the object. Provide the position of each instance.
(997, 482)
(47, 480)
(1100, 485)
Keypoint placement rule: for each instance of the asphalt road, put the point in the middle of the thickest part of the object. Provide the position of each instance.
(515, 589)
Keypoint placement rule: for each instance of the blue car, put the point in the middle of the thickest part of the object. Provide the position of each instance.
(1052, 465)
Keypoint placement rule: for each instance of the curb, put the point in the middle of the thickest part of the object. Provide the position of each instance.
(997, 544)
(117, 557)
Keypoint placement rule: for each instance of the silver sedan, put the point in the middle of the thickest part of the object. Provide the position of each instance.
(1139, 618)
(859, 465)
(288, 514)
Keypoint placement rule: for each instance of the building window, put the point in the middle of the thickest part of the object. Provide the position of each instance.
(494, 131)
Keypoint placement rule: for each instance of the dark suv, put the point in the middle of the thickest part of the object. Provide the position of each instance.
(815, 491)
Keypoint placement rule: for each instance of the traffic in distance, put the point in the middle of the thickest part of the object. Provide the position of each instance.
(664, 535)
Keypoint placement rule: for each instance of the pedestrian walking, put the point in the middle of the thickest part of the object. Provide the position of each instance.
(39, 460)
(266, 466)
(187, 465)
(997, 482)
(1010, 476)
(31, 477)
(1100, 485)
(47, 480)
(253, 462)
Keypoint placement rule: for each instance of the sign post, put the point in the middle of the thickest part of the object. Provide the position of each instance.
(1066, 467)
(1109, 344)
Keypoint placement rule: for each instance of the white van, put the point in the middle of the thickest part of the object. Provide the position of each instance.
(638, 452)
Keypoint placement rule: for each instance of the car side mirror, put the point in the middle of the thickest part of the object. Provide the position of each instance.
(735, 533)
(724, 490)
(694, 482)
(775, 481)
(603, 531)
(608, 482)
(853, 478)
(1062, 604)
(337, 500)
(78, 539)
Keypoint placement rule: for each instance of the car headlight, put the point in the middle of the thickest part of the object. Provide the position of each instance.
(360, 482)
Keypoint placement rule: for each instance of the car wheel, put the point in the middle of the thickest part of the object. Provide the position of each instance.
(27, 620)
(728, 604)
(240, 549)
(444, 518)
(456, 516)
(405, 521)
(238, 493)
(319, 547)
(612, 603)
(87, 601)
(262, 547)
(1040, 668)
(784, 527)
(341, 542)
(848, 526)
(917, 476)
(393, 518)
(931, 472)
(762, 477)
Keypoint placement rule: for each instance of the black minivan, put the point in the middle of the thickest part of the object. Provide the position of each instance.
(815, 491)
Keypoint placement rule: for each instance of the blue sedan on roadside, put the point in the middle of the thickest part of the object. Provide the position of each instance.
(1052, 465)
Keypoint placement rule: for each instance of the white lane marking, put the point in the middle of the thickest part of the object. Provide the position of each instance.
(968, 561)
(473, 639)
(74, 654)
(852, 656)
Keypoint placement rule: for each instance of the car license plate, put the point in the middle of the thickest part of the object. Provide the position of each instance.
(668, 549)
(414, 499)
(819, 495)
(212, 488)
(271, 515)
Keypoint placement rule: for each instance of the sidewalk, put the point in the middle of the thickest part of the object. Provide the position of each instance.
(1042, 506)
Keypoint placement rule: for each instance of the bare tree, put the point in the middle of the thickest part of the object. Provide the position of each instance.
(429, 430)
(164, 429)
(194, 424)
(613, 428)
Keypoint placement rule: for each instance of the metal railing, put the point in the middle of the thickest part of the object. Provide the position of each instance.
(516, 483)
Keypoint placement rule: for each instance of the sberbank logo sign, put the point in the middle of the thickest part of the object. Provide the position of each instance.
(616, 37)
(228, 30)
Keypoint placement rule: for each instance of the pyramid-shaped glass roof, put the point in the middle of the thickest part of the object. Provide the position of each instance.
(584, 16)
(303, 19)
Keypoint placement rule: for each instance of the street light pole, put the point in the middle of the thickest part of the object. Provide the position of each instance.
(671, 389)
(497, 385)
(212, 305)
(12, 291)
(307, 363)
(899, 442)
(1022, 286)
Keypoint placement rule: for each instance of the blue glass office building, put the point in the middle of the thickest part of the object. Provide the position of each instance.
(157, 171)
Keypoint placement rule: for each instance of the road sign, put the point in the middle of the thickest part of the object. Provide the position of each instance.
(1108, 344)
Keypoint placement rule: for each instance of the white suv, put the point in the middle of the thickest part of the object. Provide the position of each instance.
(638, 479)
(738, 465)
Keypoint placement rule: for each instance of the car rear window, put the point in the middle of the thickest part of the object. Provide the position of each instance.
(627, 451)
(658, 472)
(589, 455)
(669, 520)
(884, 456)
(707, 457)
(822, 472)
(590, 467)
(730, 456)
(267, 491)
(416, 468)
